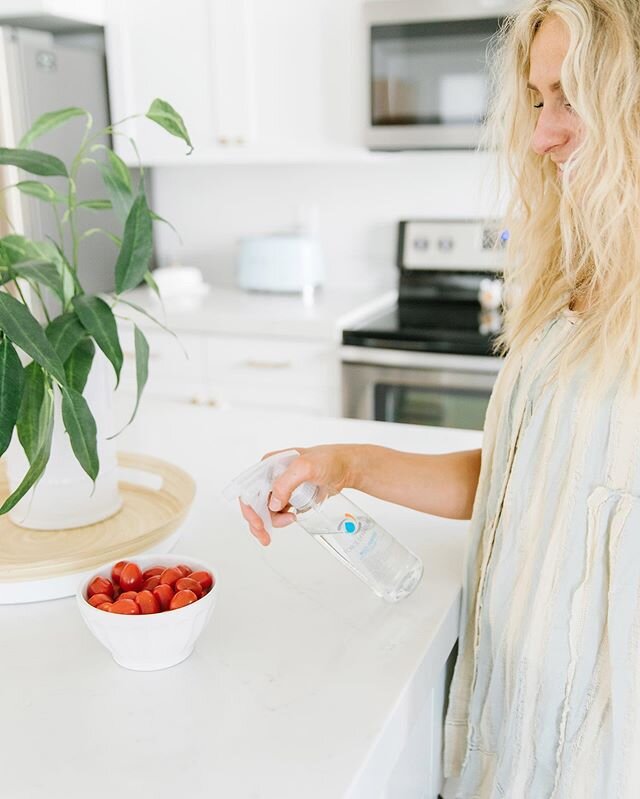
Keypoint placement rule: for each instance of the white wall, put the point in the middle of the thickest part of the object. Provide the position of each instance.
(358, 207)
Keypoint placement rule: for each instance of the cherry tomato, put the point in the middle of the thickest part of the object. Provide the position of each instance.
(106, 606)
(186, 571)
(148, 602)
(170, 575)
(128, 595)
(98, 599)
(125, 606)
(100, 585)
(116, 571)
(187, 584)
(164, 594)
(205, 579)
(181, 599)
(151, 582)
(153, 572)
(131, 577)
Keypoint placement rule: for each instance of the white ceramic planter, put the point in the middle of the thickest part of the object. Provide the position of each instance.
(65, 497)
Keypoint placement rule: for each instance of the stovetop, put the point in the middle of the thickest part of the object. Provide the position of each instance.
(446, 327)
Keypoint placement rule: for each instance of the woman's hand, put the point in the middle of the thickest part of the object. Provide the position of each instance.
(331, 465)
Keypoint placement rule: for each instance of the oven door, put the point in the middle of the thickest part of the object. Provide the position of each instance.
(417, 387)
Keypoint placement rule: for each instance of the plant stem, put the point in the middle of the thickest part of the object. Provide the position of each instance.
(36, 288)
(19, 290)
(73, 195)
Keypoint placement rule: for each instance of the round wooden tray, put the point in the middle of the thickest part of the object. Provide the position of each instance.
(45, 564)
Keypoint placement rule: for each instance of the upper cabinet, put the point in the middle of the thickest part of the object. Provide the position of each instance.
(252, 79)
(53, 15)
(194, 54)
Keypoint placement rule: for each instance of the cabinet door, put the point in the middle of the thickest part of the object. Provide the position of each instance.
(310, 74)
(176, 365)
(195, 55)
(232, 71)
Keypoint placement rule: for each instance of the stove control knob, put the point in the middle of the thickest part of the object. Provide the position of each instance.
(421, 244)
(445, 245)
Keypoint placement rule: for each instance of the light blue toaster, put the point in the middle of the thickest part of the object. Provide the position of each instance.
(280, 262)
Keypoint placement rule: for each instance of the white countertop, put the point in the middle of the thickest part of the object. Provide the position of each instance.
(295, 684)
(237, 312)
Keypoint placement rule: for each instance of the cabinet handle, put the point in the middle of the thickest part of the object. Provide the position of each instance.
(131, 356)
(251, 364)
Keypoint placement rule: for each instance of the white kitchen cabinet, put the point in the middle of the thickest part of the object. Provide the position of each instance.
(177, 366)
(251, 372)
(195, 55)
(52, 14)
(238, 371)
(253, 80)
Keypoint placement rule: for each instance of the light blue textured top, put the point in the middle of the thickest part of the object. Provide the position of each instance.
(545, 698)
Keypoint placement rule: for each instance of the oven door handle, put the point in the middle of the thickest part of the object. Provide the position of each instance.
(407, 359)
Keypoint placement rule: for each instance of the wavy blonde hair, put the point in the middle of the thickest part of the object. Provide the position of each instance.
(575, 236)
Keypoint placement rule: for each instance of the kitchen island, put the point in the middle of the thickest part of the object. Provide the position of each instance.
(304, 685)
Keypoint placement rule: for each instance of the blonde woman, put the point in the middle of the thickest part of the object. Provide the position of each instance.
(545, 698)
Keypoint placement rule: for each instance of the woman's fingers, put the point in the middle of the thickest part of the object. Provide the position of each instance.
(256, 525)
(282, 519)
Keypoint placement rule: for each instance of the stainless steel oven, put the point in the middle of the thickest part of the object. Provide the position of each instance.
(427, 70)
(430, 358)
(417, 387)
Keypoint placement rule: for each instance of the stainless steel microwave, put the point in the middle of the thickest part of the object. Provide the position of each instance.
(428, 76)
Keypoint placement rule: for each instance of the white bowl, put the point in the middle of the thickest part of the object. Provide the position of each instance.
(151, 641)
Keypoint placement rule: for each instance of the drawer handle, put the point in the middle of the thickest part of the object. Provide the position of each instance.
(131, 356)
(251, 364)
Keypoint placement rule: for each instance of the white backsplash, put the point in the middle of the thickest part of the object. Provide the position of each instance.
(357, 206)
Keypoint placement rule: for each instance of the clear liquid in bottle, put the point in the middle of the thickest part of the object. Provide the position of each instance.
(390, 569)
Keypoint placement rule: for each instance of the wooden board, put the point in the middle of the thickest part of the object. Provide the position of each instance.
(148, 516)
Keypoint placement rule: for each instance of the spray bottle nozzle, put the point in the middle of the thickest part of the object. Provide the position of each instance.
(253, 486)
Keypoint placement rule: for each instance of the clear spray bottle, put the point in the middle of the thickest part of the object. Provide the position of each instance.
(390, 569)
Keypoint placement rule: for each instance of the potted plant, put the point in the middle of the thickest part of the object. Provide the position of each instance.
(52, 332)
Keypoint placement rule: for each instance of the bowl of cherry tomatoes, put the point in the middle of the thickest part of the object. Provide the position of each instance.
(148, 611)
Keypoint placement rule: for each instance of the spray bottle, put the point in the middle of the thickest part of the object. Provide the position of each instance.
(390, 569)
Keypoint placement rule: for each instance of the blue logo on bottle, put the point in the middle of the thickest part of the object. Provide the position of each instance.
(349, 524)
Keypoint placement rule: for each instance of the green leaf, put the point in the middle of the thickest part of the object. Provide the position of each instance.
(137, 246)
(41, 454)
(70, 281)
(33, 161)
(141, 310)
(64, 334)
(23, 329)
(81, 427)
(168, 118)
(19, 248)
(150, 281)
(49, 121)
(43, 272)
(117, 181)
(100, 323)
(43, 191)
(95, 205)
(158, 218)
(29, 415)
(78, 364)
(11, 387)
(142, 371)
(92, 232)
